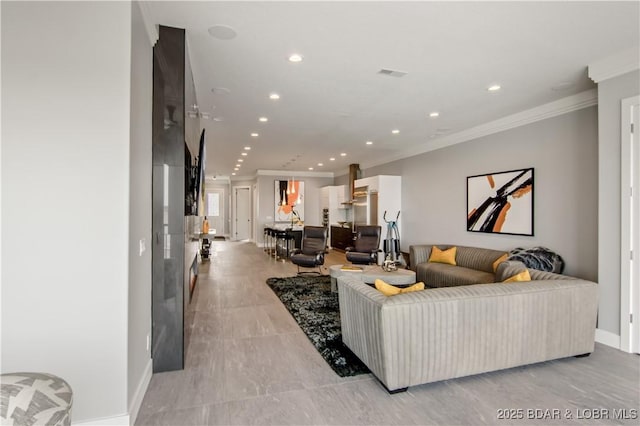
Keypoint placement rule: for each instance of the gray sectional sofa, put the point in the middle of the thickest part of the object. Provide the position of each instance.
(444, 333)
(474, 266)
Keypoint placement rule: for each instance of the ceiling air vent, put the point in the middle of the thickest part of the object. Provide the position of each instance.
(392, 73)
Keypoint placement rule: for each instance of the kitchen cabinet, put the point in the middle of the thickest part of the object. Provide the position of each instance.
(341, 237)
(334, 209)
(373, 197)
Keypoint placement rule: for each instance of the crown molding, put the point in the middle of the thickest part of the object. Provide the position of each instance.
(615, 65)
(294, 173)
(147, 18)
(542, 112)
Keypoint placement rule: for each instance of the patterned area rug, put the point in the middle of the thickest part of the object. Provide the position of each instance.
(316, 309)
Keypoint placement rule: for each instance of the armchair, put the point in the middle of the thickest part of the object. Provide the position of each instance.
(366, 245)
(314, 246)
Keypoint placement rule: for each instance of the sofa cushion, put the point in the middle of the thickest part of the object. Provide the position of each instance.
(477, 258)
(443, 275)
(443, 256)
(391, 290)
(508, 269)
(519, 277)
(499, 261)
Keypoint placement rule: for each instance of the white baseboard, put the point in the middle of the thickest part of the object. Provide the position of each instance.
(106, 421)
(607, 338)
(136, 401)
(134, 406)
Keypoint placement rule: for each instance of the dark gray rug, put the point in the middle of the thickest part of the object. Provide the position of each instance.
(315, 308)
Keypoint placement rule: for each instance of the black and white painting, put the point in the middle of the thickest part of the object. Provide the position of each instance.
(501, 202)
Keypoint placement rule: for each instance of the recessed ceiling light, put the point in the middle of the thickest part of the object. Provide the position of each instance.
(274, 96)
(320, 164)
(254, 135)
(247, 148)
(310, 168)
(240, 160)
(434, 114)
(222, 32)
(236, 169)
(233, 174)
(343, 154)
(263, 119)
(244, 153)
(237, 165)
(295, 58)
(494, 88)
(395, 131)
(332, 159)
(369, 143)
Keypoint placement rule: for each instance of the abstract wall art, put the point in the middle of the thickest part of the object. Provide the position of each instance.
(501, 203)
(289, 201)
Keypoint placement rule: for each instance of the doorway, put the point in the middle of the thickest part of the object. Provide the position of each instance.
(242, 213)
(215, 211)
(630, 226)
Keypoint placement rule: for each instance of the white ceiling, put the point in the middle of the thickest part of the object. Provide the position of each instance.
(335, 100)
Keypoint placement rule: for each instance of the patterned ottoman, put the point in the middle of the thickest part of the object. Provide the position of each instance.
(34, 399)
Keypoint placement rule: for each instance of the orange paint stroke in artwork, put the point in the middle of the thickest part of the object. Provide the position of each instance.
(492, 183)
(470, 213)
(522, 191)
(501, 218)
(294, 187)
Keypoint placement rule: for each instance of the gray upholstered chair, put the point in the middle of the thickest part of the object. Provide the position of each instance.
(35, 399)
(366, 245)
(314, 247)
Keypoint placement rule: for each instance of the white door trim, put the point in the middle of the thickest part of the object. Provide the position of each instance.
(629, 292)
(234, 213)
(254, 212)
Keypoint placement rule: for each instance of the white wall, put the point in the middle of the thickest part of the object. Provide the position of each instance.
(66, 71)
(563, 151)
(139, 358)
(610, 93)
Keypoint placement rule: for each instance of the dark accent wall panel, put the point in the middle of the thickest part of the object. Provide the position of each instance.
(168, 200)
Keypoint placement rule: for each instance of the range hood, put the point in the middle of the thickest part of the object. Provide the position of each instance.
(354, 173)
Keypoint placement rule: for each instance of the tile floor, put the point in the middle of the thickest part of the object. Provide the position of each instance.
(249, 363)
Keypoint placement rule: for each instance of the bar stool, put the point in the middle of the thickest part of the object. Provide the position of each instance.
(265, 239)
(280, 237)
(289, 240)
(274, 243)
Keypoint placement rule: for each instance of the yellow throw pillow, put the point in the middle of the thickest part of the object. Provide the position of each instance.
(521, 277)
(443, 256)
(390, 290)
(499, 261)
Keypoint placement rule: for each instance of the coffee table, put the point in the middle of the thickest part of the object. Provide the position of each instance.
(369, 274)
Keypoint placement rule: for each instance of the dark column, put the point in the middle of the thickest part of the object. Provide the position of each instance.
(168, 200)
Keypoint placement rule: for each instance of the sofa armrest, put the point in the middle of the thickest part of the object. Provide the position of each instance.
(360, 317)
(419, 254)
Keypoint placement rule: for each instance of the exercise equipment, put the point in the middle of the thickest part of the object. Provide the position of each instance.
(392, 241)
